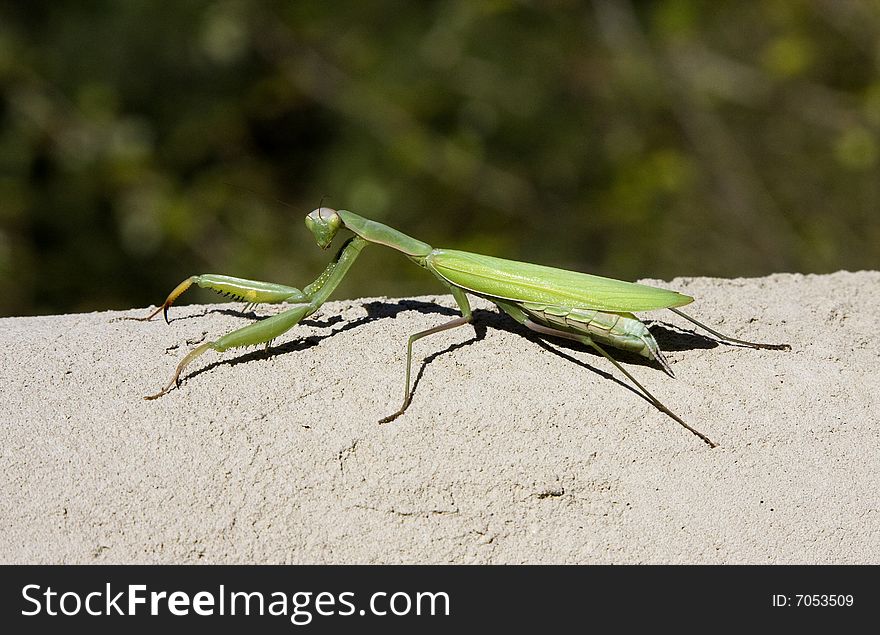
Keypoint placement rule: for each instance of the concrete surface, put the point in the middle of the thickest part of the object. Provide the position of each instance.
(513, 450)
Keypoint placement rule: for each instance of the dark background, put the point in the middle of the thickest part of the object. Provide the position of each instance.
(144, 141)
(513, 598)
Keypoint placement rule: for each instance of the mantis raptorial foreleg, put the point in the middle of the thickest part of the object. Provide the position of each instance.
(540, 328)
(307, 301)
(464, 305)
(251, 291)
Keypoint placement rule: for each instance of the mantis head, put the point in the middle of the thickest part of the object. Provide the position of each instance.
(323, 223)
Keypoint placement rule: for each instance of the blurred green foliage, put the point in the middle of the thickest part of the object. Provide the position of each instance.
(144, 141)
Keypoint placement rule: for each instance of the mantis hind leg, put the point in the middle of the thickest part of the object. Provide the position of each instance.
(251, 291)
(540, 328)
(727, 338)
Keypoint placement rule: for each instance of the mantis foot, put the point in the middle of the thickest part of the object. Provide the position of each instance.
(773, 347)
(175, 380)
(163, 309)
(178, 290)
(390, 417)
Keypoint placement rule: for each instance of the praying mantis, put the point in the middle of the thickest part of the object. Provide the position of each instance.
(590, 309)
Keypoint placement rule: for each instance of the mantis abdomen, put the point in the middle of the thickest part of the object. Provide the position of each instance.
(620, 330)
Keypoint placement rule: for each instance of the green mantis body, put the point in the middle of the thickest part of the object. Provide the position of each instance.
(590, 309)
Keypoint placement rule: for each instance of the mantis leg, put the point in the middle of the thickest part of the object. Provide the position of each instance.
(539, 328)
(251, 291)
(466, 318)
(727, 338)
(264, 331)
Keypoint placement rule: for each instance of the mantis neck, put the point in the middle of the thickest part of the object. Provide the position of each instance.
(381, 234)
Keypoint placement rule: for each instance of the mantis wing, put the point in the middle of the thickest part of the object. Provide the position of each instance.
(525, 282)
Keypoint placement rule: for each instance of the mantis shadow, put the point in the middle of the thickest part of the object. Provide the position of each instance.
(483, 319)
(253, 315)
(673, 338)
(502, 322)
(375, 311)
(669, 338)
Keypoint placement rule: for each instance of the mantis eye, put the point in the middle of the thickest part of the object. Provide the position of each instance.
(323, 223)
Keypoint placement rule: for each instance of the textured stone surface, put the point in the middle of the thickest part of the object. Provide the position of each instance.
(513, 450)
